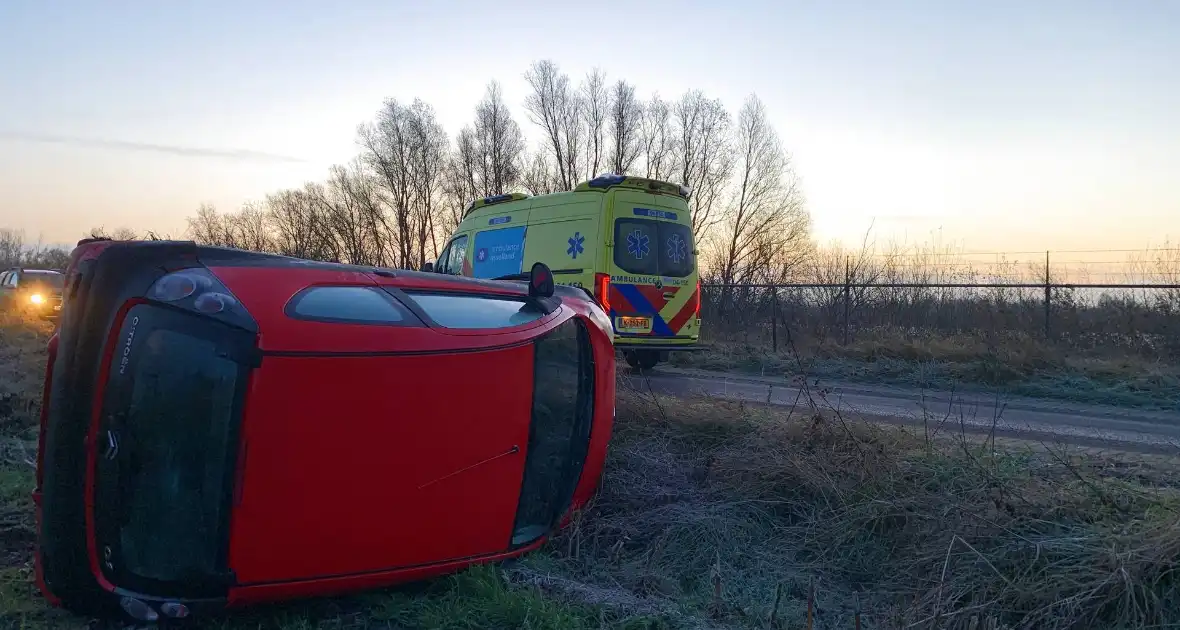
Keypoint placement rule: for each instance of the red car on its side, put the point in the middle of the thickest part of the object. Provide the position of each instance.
(223, 427)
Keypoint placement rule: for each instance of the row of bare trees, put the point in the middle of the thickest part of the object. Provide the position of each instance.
(405, 192)
(16, 251)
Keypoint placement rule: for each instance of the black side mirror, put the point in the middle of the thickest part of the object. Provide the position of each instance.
(428, 267)
(541, 289)
(540, 281)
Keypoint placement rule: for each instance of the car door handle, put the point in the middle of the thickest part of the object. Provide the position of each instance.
(669, 295)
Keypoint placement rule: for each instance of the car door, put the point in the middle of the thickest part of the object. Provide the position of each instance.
(7, 290)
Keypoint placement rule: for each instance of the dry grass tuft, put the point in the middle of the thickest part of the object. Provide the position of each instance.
(22, 370)
(732, 512)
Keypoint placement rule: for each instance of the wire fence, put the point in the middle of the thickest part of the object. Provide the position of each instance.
(1143, 318)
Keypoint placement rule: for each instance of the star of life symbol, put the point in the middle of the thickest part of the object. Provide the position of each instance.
(677, 249)
(575, 245)
(638, 244)
(482, 254)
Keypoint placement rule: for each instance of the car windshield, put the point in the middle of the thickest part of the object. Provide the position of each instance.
(45, 278)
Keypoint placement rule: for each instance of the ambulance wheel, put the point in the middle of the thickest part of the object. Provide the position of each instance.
(642, 360)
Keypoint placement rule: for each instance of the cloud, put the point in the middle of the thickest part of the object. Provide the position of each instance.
(171, 149)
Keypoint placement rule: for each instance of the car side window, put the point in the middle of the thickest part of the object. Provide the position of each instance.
(458, 255)
(474, 311)
(4, 278)
(440, 265)
(13, 280)
(451, 260)
(348, 305)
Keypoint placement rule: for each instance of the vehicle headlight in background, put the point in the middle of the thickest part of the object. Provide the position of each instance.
(37, 298)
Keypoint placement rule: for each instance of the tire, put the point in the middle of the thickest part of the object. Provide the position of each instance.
(642, 360)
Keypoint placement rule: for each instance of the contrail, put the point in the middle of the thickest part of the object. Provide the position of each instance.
(98, 143)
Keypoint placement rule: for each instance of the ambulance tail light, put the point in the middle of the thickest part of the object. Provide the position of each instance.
(697, 312)
(602, 290)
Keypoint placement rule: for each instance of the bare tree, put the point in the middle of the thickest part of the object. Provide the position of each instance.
(117, 234)
(318, 199)
(12, 247)
(538, 177)
(766, 225)
(248, 228)
(500, 143)
(47, 258)
(354, 210)
(703, 154)
(624, 121)
(386, 149)
(658, 140)
(595, 107)
(428, 163)
(463, 183)
(297, 225)
(554, 107)
(208, 227)
(488, 157)
(251, 228)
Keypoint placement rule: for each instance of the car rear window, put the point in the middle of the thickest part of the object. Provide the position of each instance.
(170, 415)
(472, 311)
(348, 305)
(653, 248)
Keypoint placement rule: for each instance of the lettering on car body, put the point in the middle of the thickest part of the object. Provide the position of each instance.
(125, 356)
(656, 214)
(675, 282)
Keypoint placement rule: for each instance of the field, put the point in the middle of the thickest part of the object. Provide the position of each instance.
(715, 514)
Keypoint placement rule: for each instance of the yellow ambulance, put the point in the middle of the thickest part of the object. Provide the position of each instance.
(626, 240)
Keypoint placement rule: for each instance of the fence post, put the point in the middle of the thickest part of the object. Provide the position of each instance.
(774, 318)
(847, 295)
(1048, 293)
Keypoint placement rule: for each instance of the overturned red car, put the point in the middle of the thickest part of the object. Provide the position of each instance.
(224, 427)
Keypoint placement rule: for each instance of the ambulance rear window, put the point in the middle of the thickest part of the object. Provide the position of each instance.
(653, 248)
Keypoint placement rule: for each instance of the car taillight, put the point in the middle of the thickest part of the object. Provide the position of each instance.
(199, 291)
(697, 312)
(602, 290)
(600, 319)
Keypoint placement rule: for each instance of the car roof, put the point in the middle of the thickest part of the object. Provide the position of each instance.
(28, 270)
(214, 256)
(405, 278)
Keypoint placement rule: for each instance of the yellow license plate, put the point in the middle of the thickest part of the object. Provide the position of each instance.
(634, 324)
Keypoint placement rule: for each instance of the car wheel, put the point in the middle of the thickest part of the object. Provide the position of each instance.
(642, 360)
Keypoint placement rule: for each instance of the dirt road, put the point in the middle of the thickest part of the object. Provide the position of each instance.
(1035, 419)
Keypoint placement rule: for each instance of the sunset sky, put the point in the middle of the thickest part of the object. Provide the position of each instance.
(1007, 125)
